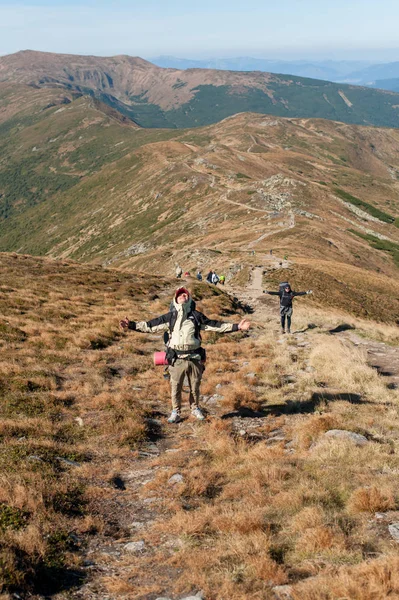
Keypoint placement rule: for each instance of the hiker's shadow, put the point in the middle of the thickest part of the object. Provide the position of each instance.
(295, 406)
(307, 328)
(341, 328)
(239, 305)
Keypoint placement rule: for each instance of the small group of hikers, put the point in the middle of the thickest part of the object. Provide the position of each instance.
(212, 277)
(185, 355)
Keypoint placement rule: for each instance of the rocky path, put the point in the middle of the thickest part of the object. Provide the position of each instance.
(381, 356)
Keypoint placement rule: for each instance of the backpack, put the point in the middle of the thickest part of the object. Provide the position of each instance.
(282, 286)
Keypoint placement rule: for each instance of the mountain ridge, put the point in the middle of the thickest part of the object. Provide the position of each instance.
(157, 97)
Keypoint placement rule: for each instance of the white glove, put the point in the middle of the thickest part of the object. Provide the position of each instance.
(309, 292)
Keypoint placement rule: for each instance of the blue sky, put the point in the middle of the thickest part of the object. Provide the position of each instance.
(335, 29)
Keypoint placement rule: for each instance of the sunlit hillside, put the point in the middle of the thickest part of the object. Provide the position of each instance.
(79, 181)
(100, 497)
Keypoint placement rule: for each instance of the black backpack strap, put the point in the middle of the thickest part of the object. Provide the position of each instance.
(197, 325)
(172, 320)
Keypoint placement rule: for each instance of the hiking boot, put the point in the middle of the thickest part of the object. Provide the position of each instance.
(283, 331)
(174, 417)
(288, 330)
(198, 414)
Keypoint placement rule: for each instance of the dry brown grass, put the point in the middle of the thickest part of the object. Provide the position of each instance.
(72, 386)
(310, 504)
(250, 513)
(372, 499)
(375, 580)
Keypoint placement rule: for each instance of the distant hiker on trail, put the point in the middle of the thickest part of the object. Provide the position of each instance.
(222, 279)
(187, 274)
(215, 278)
(209, 277)
(271, 252)
(286, 295)
(199, 275)
(179, 272)
(185, 356)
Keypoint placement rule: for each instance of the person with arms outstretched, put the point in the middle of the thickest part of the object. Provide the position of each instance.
(286, 295)
(184, 354)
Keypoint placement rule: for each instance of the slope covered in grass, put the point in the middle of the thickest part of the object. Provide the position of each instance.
(50, 140)
(66, 409)
(264, 497)
(149, 199)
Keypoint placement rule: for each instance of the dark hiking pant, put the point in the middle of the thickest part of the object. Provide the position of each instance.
(286, 312)
(192, 369)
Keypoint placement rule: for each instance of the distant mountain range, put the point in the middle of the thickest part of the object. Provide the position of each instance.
(152, 96)
(330, 70)
(383, 76)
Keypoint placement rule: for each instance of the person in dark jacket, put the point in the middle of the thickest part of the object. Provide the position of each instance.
(185, 355)
(286, 295)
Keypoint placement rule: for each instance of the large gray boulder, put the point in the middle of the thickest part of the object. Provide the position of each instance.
(343, 434)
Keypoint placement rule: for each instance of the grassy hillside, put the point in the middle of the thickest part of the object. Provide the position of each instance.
(218, 196)
(157, 97)
(69, 415)
(79, 181)
(51, 140)
(286, 96)
(87, 459)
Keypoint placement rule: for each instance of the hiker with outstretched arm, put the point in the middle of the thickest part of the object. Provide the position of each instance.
(286, 295)
(185, 355)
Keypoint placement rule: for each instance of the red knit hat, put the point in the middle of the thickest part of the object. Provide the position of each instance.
(181, 290)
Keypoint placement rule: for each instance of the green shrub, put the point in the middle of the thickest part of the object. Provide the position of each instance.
(378, 244)
(369, 208)
(12, 518)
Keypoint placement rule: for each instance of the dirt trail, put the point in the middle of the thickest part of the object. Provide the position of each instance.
(246, 206)
(255, 287)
